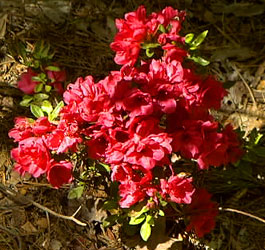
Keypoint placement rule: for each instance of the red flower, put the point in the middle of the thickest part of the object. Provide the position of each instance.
(56, 76)
(178, 189)
(22, 129)
(220, 149)
(138, 103)
(26, 84)
(64, 137)
(202, 212)
(31, 156)
(131, 193)
(60, 173)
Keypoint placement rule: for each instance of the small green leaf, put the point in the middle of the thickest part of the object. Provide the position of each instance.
(76, 192)
(137, 220)
(47, 107)
(142, 211)
(109, 205)
(229, 84)
(105, 166)
(257, 139)
(199, 60)
(42, 76)
(162, 28)
(150, 45)
(36, 78)
(48, 88)
(149, 53)
(40, 97)
(145, 231)
(110, 220)
(38, 88)
(56, 111)
(150, 220)
(36, 110)
(161, 213)
(199, 39)
(189, 37)
(53, 68)
(26, 101)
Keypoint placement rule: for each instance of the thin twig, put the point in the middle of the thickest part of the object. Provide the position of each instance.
(243, 213)
(16, 197)
(72, 218)
(246, 85)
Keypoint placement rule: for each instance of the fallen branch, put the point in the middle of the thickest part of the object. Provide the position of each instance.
(243, 213)
(16, 197)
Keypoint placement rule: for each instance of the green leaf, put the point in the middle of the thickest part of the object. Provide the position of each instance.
(40, 97)
(109, 205)
(161, 213)
(150, 220)
(199, 39)
(229, 84)
(142, 211)
(38, 88)
(162, 28)
(149, 53)
(150, 45)
(36, 78)
(42, 76)
(53, 68)
(110, 220)
(257, 139)
(189, 37)
(76, 192)
(36, 110)
(26, 101)
(105, 166)
(145, 231)
(56, 111)
(47, 107)
(199, 60)
(48, 88)
(137, 220)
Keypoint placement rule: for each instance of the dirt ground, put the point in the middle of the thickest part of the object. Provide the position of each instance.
(80, 33)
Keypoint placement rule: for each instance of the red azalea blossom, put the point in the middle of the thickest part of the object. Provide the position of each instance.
(60, 173)
(135, 120)
(202, 212)
(22, 129)
(31, 156)
(26, 84)
(178, 189)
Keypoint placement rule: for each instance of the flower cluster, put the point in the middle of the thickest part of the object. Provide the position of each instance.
(135, 119)
(33, 154)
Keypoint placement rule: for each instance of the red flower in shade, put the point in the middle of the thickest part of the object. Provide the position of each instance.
(202, 212)
(211, 93)
(220, 149)
(57, 78)
(32, 156)
(178, 189)
(26, 84)
(60, 173)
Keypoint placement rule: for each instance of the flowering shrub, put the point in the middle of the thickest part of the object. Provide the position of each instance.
(135, 120)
